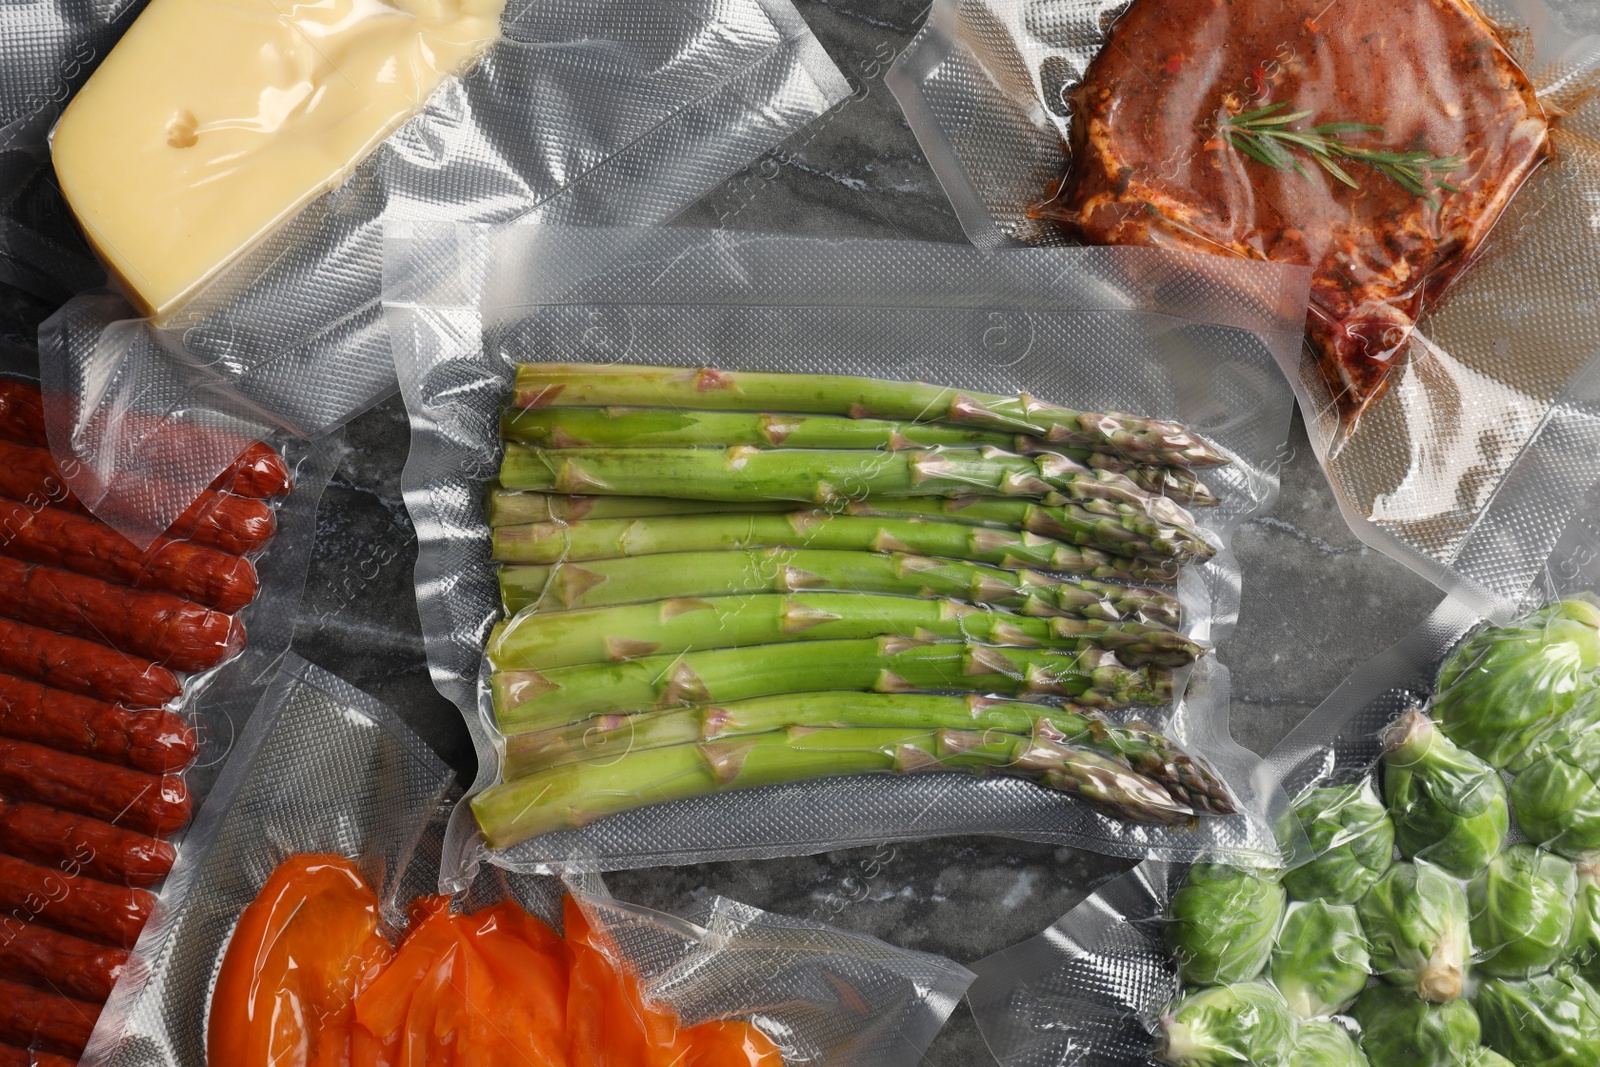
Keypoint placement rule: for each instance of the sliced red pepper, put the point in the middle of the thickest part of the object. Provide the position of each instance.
(486, 989)
(381, 1010)
(309, 982)
(730, 1043)
(608, 1022)
(302, 953)
(528, 966)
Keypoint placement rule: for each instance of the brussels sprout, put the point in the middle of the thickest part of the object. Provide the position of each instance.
(1320, 962)
(1507, 684)
(1549, 1020)
(1323, 1043)
(1488, 1057)
(1246, 1023)
(1222, 922)
(1352, 838)
(1522, 909)
(1583, 951)
(1557, 798)
(1448, 806)
(1398, 1030)
(1415, 919)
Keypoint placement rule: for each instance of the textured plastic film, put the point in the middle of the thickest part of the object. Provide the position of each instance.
(220, 701)
(324, 767)
(1177, 337)
(47, 50)
(320, 767)
(824, 995)
(1090, 989)
(583, 113)
(1468, 466)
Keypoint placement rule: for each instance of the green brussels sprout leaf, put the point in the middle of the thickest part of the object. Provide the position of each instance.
(1557, 804)
(1522, 912)
(1222, 921)
(1247, 1023)
(1320, 962)
(1398, 1030)
(1506, 685)
(1324, 1043)
(1448, 806)
(1416, 922)
(1549, 1020)
(1352, 839)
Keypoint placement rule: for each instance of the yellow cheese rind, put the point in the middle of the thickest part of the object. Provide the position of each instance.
(213, 121)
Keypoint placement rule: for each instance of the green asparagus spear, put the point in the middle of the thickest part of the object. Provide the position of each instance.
(552, 542)
(512, 507)
(1114, 528)
(578, 793)
(544, 640)
(1140, 747)
(1089, 599)
(625, 427)
(640, 579)
(548, 639)
(815, 476)
(1117, 529)
(531, 700)
(585, 384)
(1181, 486)
(621, 427)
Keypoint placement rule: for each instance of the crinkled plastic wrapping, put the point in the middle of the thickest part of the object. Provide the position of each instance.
(323, 767)
(1480, 451)
(47, 50)
(1174, 336)
(1091, 988)
(583, 113)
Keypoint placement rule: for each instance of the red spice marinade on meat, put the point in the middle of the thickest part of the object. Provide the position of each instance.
(1150, 167)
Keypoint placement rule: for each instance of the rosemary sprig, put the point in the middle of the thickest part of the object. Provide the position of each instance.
(1264, 136)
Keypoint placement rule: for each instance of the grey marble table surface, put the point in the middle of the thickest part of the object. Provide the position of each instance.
(1316, 603)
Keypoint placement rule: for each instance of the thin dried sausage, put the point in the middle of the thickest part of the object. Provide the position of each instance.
(93, 847)
(33, 954)
(155, 741)
(84, 667)
(87, 546)
(11, 1056)
(71, 903)
(257, 472)
(22, 412)
(31, 1019)
(158, 626)
(146, 803)
(236, 524)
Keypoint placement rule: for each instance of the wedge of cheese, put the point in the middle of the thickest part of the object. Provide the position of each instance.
(212, 121)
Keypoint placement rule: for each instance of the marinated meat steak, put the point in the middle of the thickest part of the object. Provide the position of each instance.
(1152, 162)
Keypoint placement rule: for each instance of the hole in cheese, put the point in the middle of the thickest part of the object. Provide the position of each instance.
(181, 129)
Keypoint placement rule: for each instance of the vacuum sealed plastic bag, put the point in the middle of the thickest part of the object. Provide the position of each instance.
(120, 669)
(325, 769)
(1169, 337)
(1463, 749)
(582, 113)
(1440, 199)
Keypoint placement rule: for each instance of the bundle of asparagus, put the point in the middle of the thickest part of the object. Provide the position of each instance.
(715, 580)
